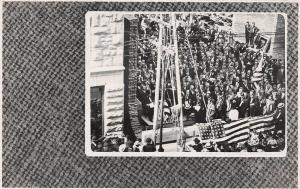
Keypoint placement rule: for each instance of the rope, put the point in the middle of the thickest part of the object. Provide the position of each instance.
(197, 76)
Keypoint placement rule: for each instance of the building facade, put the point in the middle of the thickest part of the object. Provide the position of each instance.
(111, 61)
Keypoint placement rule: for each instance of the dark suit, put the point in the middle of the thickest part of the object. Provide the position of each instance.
(253, 32)
(146, 99)
(235, 103)
(254, 107)
(193, 98)
(243, 108)
(198, 147)
(200, 116)
(247, 30)
(279, 119)
(149, 148)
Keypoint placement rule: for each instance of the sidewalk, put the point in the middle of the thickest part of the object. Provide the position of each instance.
(172, 147)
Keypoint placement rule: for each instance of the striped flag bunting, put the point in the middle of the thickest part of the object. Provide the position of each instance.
(257, 76)
(236, 131)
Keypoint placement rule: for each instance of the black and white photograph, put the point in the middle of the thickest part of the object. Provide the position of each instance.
(185, 84)
(155, 94)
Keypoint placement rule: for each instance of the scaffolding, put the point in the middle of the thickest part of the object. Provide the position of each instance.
(168, 63)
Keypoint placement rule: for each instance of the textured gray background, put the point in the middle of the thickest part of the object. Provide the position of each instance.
(43, 107)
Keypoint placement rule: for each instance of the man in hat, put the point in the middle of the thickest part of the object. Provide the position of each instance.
(149, 147)
(252, 33)
(200, 110)
(198, 146)
(253, 140)
(279, 118)
(208, 147)
(272, 145)
(137, 146)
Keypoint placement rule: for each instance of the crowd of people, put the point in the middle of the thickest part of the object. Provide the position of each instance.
(122, 145)
(216, 74)
(268, 141)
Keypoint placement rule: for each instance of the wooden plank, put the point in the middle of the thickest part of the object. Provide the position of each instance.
(158, 73)
(177, 71)
(150, 123)
(170, 134)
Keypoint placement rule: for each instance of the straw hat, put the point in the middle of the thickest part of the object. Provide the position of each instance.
(208, 145)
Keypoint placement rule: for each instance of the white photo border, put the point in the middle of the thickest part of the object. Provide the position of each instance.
(91, 153)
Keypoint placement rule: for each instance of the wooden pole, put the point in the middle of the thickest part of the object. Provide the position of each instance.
(177, 74)
(172, 82)
(157, 82)
(160, 149)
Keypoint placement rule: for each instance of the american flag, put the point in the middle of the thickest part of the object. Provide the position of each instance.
(236, 131)
(211, 130)
(204, 131)
(217, 129)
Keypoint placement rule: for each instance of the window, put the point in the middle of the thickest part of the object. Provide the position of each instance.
(97, 94)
